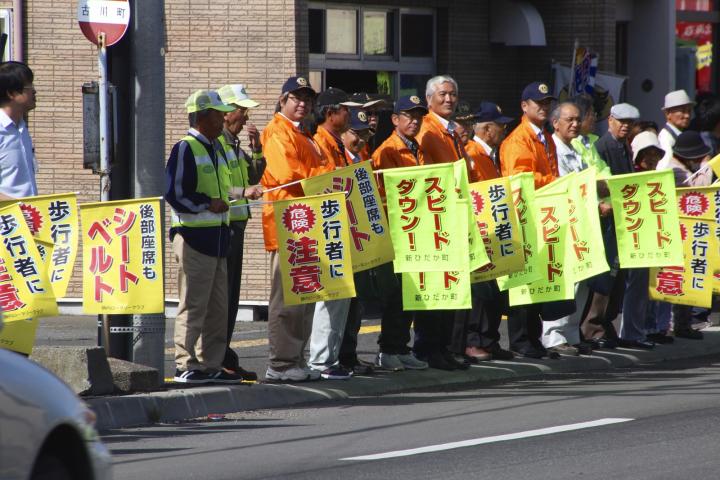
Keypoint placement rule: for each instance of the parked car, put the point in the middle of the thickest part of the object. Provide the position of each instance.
(46, 431)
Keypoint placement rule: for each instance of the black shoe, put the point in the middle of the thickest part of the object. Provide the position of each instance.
(603, 342)
(437, 360)
(531, 352)
(499, 353)
(191, 376)
(660, 338)
(641, 344)
(360, 368)
(461, 363)
(246, 375)
(223, 376)
(688, 333)
(584, 348)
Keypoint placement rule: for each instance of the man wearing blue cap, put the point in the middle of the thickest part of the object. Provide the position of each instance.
(199, 192)
(489, 130)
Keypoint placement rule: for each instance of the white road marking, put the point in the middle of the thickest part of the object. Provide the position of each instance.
(496, 438)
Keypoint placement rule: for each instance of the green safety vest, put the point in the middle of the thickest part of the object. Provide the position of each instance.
(215, 183)
(239, 177)
(591, 157)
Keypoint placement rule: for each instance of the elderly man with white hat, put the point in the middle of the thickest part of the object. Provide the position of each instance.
(677, 109)
(245, 171)
(613, 147)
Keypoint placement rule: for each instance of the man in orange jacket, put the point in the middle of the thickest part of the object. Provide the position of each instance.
(291, 154)
(529, 148)
(440, 144)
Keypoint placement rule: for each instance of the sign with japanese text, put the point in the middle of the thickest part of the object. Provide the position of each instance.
(122, 257)
(436, 291)
(110, 17)
(54, 219)
(496, 219)
(584, 227)
(424, 215)
(523, 191)
(369, 234)
(691, 283)
(314, 248)
(646, 219)
(477, 255)
(557, 282)
(25, 291)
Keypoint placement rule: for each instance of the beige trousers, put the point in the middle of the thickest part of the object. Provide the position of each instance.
(289, 328)
(201, 322)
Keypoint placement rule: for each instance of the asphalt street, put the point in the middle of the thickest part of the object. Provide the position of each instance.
(653, 423)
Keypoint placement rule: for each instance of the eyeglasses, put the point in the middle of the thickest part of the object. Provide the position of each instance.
(300, 99)
(30, 87)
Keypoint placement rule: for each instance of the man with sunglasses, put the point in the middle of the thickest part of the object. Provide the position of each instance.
(245, 171)
(17, 154)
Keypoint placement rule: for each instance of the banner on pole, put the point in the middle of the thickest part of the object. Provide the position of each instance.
(314, 249)
(25, 291)
(369, 234)
(557, 282)
(477, 255)
(497, 221)
(424, 219)
(436, 291)
(54, 219)
(691, 283)
(646, 219)
(523, 190)
(122, 257)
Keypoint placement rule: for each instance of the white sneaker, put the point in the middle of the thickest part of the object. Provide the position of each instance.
(312, 374)
(387, 361)
(411, 362)
(294, 374)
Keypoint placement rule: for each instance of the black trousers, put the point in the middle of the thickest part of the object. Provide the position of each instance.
(480, 326)
(234, 268)
(433, 331)
(524, 327)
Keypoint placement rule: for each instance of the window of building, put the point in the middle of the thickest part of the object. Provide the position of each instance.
(373, 49)
(6, 33)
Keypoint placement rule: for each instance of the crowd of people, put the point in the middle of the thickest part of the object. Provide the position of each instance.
(212, 174)
(313, 133)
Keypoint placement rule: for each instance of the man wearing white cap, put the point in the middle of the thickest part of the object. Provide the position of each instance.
(199, 192)
(245, 174)
(677, 110)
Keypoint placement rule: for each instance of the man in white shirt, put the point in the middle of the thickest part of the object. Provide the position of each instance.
(17, 156)
(677, 110)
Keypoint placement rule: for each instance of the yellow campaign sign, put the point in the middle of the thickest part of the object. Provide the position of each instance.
(122, 257)
(425, 218)
(714, 163)
(523, 190)
(436, 291)
(691, 283)
(496, 218)
(314, 248)
(557, 282)
(646, 219)
(585, 228)
(371, 243)
(54, 218)
(25, 291)
(699, 202)
(477, 255)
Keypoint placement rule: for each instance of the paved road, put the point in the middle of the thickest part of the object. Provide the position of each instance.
(641, 424)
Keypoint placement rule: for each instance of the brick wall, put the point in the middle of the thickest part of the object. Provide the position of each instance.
(261, 43)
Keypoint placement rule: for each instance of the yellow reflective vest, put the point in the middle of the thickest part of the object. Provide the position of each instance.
(239, 177)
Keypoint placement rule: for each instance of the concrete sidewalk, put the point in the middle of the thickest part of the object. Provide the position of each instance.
(186, 403)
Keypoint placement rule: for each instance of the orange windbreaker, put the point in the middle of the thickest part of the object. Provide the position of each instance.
(522, 151)
(393, 153)
(329, 146)
(291, 155)
(437, 144)
(483, 167)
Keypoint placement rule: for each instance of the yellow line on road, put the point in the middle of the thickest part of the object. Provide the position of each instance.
(259, 342)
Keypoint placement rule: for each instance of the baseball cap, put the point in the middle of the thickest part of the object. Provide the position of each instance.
(335, 96)
(409, 102)
(463, 112)
(204, 100)
(645, 140)
(358, 119)
(296, 83)
(536, 91)
(236, 95)
(367, 100)
(624, 111)
(490, 112)
(690, 145)
(677, 98)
